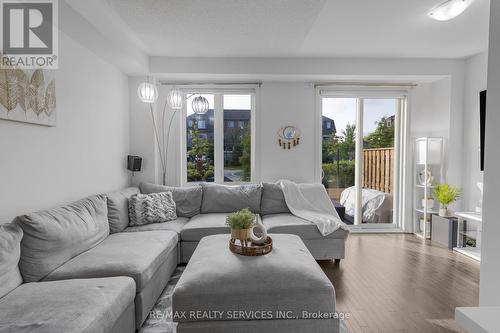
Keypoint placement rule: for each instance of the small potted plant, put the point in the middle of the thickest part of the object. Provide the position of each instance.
(241, 224)
(428, 202)
(446, 195)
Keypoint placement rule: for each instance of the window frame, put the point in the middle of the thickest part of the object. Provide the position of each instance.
(219, 125)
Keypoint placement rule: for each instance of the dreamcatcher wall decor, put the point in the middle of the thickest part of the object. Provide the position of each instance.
(288, 137)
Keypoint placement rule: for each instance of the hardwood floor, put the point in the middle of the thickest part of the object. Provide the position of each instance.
(400, 283)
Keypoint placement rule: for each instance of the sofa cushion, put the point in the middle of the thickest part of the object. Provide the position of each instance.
(151, 208)
(137, 255)
(54, 236)
(291, 224)
(187, 199)
(10, 252)
(203, 225)
(273, 200)
(88, 305)
(118, 208)
(229, 198)
(175, 225)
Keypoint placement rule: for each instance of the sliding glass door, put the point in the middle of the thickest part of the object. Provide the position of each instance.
(360, 156)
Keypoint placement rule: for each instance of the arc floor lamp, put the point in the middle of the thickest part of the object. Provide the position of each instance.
(148, 93)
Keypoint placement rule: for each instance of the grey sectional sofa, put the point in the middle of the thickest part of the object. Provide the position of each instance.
(84, 259)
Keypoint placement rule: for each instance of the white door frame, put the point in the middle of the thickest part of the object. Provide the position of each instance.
(400, 145)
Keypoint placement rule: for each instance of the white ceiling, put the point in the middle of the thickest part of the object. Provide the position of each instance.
(301, 28)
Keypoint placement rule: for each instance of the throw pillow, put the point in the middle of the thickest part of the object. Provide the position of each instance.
(151, 208)
(187, 199)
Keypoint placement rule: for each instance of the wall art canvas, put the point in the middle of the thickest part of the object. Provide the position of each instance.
(28, 96)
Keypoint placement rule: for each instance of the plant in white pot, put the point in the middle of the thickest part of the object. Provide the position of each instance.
(242, 224)
(446, 195)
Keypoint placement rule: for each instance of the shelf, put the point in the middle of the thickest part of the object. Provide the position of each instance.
(477, 217)
(423, 186)
(470, 233)
(429, 211)
(471, 252)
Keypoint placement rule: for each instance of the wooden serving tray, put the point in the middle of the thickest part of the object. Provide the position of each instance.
(251, 249)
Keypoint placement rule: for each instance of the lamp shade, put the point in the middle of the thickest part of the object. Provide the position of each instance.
(175, 99)
(147, 92)
(449, 9)
(200, 105)
(429, 150)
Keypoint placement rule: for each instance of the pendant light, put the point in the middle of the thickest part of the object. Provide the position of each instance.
(147, 92)
(175, 99)
(200, 105)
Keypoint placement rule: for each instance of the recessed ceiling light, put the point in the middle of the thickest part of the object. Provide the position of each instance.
(449, 9)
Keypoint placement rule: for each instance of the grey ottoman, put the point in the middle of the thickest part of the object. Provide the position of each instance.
(283, 291)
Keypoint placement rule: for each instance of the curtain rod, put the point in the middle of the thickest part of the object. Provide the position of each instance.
(165, 83)
(364, 84)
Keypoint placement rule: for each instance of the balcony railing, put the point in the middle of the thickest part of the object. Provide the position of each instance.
(378, 169)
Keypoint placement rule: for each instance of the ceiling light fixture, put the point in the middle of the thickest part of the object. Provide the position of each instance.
(449, 9)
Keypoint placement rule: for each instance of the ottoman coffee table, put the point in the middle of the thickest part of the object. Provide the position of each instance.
(283, 291)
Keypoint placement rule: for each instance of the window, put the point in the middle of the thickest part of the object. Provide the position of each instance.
(328, 125)
(200, 161)
(237, 140)
(219, 144)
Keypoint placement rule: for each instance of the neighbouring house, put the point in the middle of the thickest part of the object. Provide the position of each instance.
(328, 127)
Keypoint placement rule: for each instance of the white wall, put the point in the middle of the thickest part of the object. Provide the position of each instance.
(43, 167)
(489, 290)
(476, 69)
(283, 104)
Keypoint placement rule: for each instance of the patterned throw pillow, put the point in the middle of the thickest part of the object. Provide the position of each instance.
(151, 208)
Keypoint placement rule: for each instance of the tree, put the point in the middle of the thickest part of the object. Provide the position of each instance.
(382, 136)
(200, 150)
(245, 154)
(341, 147)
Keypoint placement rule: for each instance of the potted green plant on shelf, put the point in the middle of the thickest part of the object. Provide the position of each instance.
(446, 195)
(241, 224)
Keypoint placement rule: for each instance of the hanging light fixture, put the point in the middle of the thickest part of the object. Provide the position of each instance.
(147, 92)
(200, 105)
(448, 9)
(175, 99)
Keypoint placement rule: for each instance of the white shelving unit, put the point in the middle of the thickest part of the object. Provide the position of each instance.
(428, 171)
(469, 234)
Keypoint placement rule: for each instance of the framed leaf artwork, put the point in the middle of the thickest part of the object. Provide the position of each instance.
(28, 96)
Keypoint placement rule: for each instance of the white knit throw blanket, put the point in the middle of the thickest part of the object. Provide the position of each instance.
(311, 202)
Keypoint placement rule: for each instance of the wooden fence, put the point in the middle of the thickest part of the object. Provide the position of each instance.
(378, 169)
